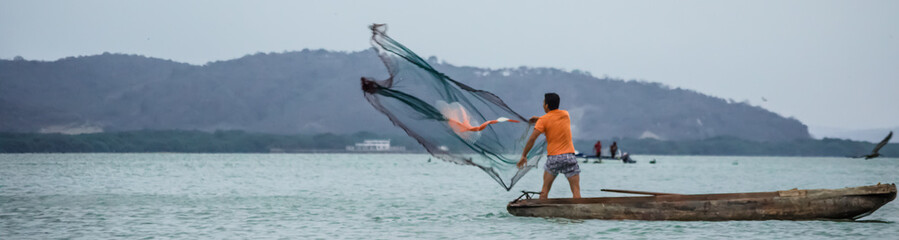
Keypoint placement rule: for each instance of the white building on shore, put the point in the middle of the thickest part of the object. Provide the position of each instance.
(375, 145)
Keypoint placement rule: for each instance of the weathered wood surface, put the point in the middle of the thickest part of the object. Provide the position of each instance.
(812, 204)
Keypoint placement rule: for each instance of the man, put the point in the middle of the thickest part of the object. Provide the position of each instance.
(560, 158)
(598, 148)
(614, 149)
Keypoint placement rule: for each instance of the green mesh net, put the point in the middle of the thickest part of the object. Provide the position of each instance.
(451, 120)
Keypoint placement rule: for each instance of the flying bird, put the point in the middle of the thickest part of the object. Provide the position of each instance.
(874, 153)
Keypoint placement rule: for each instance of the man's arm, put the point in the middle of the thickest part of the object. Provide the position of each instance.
(527, 148)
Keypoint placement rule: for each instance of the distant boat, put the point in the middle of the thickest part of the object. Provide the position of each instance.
(814, 204)
(600, 159)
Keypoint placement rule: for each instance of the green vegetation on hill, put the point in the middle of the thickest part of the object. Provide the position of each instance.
(730, 146)
(243, 142)
(318, 91)
(182, 141)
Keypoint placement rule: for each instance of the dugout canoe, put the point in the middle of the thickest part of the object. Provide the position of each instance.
(810, 204)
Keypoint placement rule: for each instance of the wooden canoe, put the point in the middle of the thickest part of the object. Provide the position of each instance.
(812, 204)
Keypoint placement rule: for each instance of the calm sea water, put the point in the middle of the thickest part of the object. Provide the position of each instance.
(326, 196)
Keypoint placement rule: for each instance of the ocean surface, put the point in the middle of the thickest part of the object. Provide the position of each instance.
(380, 196)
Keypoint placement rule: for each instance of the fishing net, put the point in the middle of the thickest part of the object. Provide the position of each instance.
(451, 120)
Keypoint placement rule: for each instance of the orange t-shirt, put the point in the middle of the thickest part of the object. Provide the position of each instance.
(557, 126)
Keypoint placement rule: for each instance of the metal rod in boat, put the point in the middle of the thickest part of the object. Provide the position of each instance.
(637, 192)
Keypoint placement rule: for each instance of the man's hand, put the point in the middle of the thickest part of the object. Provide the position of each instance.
(533, 119)
(522, 162)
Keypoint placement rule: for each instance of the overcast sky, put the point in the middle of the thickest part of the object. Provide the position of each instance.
(826, 63)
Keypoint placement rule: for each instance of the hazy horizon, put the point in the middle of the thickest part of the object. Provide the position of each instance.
(829, 64)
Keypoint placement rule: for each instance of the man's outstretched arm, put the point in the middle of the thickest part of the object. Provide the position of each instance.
(527, 148)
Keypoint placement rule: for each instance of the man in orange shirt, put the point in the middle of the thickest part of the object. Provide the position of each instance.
(556, 124)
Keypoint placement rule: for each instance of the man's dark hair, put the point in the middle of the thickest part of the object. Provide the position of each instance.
(551, 100)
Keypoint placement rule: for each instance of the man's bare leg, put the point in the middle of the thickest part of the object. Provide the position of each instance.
(575, 183)
(548, 179)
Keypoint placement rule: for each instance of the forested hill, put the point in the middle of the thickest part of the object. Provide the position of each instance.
(317, 91)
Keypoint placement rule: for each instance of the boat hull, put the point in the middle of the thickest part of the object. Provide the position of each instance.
(813, 204)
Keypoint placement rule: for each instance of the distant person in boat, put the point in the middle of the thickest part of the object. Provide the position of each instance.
(598, 148)
(613, 149)
(556, 124)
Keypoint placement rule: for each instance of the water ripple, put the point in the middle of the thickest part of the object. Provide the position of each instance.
(327, 196)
